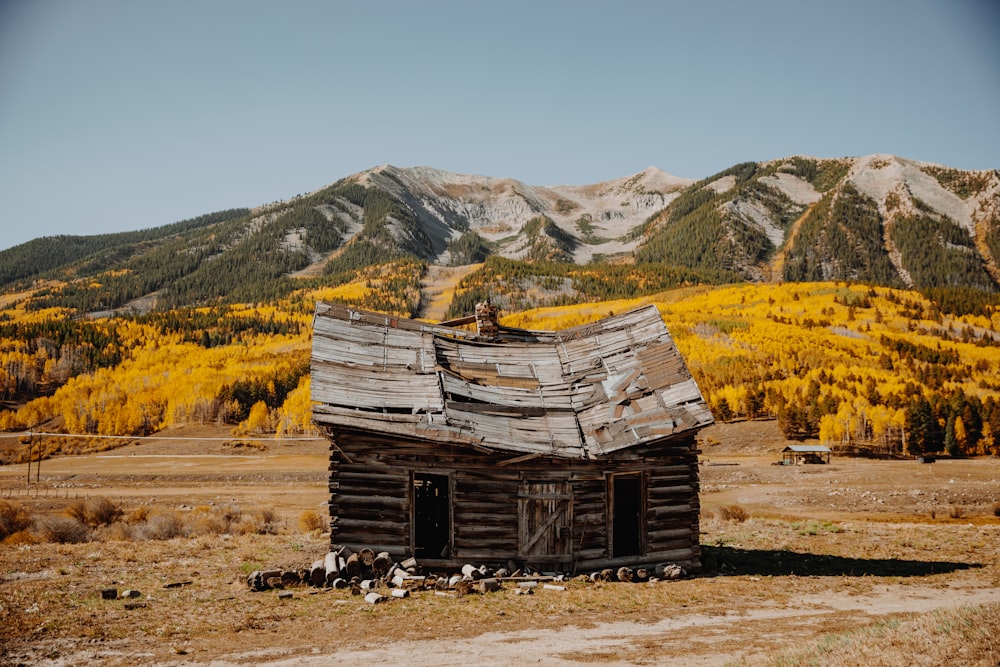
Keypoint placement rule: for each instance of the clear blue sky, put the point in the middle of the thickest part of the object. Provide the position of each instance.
(118, 115)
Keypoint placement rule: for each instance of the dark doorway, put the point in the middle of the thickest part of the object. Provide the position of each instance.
(626, 517)
(431, 516)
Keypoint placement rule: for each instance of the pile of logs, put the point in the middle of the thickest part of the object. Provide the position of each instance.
(379, 577)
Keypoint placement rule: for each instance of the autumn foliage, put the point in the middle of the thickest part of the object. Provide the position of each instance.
(859, 367)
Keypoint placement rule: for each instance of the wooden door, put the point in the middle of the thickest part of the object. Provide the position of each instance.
(545, 522)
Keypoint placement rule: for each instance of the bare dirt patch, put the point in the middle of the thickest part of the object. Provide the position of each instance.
(803, 565)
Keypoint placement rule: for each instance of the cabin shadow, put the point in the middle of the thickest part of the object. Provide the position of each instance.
(732, 561)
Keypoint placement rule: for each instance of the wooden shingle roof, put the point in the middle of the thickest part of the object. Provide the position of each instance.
(579, 393)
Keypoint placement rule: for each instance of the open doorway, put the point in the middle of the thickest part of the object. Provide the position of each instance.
(431, 516)
(626, 515)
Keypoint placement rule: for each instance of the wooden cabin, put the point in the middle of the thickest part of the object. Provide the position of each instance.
(568, 450)
(794, 455)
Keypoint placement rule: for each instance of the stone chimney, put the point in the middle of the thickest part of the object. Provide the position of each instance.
(487, 325)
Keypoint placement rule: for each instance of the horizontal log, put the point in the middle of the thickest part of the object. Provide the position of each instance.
(669, 510)
(671, 523)
(473, 554)
(673, 556)
(591, 554)
(668, 496)
(347, 474)
(484, 532)
(499, 520)
(671, 545)
(373, 501)
(468, 507)
(375, 516)
(388, 543)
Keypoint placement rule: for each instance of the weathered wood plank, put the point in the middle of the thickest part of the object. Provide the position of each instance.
(375, 502)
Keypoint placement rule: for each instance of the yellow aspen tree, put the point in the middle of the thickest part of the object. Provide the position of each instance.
(295, 414)
(258, 420)
(830, 429)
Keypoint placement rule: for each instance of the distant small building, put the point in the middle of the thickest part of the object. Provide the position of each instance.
(794, 455)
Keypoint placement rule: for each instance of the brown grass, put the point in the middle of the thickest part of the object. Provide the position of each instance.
(966, 635)
(733, 513)
(310, 520)
(13, 518)
(826, 562)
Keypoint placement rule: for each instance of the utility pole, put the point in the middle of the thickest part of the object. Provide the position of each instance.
(28, 442)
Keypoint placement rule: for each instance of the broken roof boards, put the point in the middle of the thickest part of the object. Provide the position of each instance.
(583, 392)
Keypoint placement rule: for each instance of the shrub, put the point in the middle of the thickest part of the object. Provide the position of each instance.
(956, 512)
(262, 522)
(230, 513)
(996, 508)
(94, 512)
(102, 512)
(733, 513)
(207, 522)
(13, 518)
(162, 525)
(138, 515)
(21, 537)
(77, 510)
(117, 532)
(63, 530)
(310, 520)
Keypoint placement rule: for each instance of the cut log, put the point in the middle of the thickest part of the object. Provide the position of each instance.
(353, 565)
(366, 556)
(382, 563)
(331, 568)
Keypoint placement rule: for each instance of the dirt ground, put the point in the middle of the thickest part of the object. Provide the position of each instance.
(823, 549)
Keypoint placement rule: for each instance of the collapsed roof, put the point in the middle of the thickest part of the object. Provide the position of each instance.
(582, 392)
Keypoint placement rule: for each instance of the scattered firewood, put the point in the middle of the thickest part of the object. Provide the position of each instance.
(366, 572)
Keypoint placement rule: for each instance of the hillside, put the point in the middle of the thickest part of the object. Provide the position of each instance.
(879, 219)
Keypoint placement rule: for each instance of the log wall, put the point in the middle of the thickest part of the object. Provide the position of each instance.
(371, 496)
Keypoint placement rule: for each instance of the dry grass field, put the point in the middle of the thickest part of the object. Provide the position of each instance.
(858, 562)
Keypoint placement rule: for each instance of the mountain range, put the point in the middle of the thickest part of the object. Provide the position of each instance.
(880, 219)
